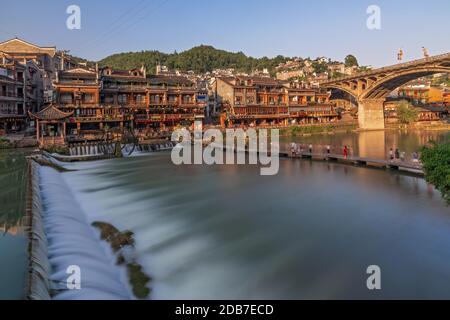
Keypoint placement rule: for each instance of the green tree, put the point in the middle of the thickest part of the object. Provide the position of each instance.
(351, 61)
(406, 113)
(436, 163)
(319, 67)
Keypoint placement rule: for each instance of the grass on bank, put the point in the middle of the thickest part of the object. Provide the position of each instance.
(299, 130)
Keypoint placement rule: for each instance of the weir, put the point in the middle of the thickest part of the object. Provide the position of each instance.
(38, 266)
(60, 237)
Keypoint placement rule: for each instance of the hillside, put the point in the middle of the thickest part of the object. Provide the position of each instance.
(198, 59)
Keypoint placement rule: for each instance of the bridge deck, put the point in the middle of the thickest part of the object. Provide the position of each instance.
(429, 60)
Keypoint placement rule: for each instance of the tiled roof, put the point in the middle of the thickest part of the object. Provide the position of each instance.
(50, 113)
(170, 80)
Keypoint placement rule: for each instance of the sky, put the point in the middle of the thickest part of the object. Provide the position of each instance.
(312, 28)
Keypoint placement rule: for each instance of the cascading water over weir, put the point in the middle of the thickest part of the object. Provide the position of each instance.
(61, 237)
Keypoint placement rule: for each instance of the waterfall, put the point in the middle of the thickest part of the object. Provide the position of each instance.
(60, 237)
(72, 241)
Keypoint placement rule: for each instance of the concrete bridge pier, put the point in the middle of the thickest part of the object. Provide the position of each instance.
(371, 114)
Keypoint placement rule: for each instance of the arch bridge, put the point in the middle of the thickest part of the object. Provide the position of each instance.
(371, 88)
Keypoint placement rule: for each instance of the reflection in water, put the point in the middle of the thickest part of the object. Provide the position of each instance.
(12, 209)
(12, 188)
(371, 144)
(308, 232)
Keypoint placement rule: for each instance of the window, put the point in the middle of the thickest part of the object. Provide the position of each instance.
(88, 98)
(66, 98)
(140, 98)
(109, 98)
(122, 98)
(154, 98)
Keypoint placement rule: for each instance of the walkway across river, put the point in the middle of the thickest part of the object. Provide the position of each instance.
(361, 161)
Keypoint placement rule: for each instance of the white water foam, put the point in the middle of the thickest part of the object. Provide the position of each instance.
(72, 241)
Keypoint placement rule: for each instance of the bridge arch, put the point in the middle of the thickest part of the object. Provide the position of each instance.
(371, 88)
(384, 86)
(342, 88)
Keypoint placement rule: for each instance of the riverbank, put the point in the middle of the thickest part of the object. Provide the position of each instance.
(424, 126)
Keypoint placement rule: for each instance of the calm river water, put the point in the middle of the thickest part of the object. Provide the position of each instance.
(311, 231)
(12, 238)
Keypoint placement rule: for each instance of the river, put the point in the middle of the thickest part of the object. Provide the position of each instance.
(311, 231)
(13, 241)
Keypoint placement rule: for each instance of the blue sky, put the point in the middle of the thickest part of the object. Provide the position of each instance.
(259, 28)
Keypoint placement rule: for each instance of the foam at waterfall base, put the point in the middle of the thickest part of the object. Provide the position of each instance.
(72, 241)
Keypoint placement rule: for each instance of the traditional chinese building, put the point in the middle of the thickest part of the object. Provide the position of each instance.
(123, 93)
(47, 58)
(33, 68)
(51, 125)
(77, 91)
(172, 102)
(309, 105)
(264, 101)
(12, 95)
(253, 100)
(422, 94)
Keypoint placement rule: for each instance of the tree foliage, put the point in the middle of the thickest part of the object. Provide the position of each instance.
(406, 113)
(198, 59)
(319, 67)
(351, 61)
(436, 163)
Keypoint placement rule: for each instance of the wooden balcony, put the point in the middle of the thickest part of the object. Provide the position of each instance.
(46, 141)
(260, 112)
(152, 118)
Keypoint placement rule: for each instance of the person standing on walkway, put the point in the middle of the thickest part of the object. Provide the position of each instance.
(345, 152)
(397, 154)
(293, 147)
(402, 156)
(415, 157)
(310, 148)
(391, 154)
(328, 149)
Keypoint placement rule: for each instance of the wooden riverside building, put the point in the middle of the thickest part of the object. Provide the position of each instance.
(87, 102)
(171, 101)
(259, 101)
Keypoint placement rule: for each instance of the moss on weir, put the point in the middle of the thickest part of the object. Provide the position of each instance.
(118, 240)
(138, 280)
(114, 237)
